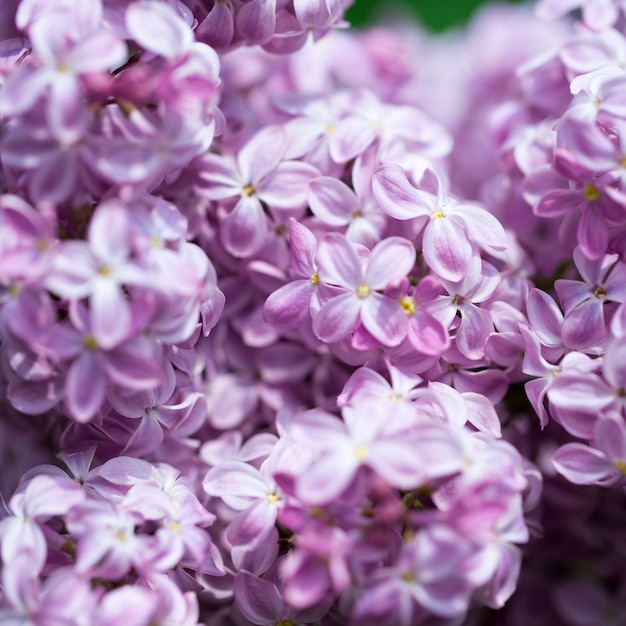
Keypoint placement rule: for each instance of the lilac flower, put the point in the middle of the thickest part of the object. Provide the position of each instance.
(259, 174)
(390, 261)
(260, 602)
(603, 464)
(61, 59)
(99, 269)
(584, 303)
(450, 229)
(346, 447)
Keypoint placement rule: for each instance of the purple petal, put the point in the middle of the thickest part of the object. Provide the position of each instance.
(384, 319)
(391, 260)
(575, 391)
(111, 316)
(85, 387)
(256, 21)
(610, 436)
(109, 233)
(397, 197)
(288, 185)
(327, 478)
(337, 318)
(447, 249)
(259, 600)
(158, 28)
(289, 307)
(332, 201)
(581, 464)
(338, 262)
(245, 230)
(262, 154)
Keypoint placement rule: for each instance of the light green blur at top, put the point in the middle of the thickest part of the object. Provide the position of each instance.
(435, 14)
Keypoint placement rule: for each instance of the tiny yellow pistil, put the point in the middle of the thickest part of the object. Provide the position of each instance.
(248, 190)
(408, 305)
(156, 242)
(315, 279)
(63, 68)
(361, 452)
(272, 497)
(456, 300)
(285, 622)
(15, 290)
(591, 192)
(356, 214)
(453, 367)
(105, 271)
(408, 577)
(281, 230)
(330, 128)
(90, 343)
(437, 215)
(621, 466)
(556, 372)
(120, 534)
(599, 292)
(175, 527)
(623, 162)
(363, 291)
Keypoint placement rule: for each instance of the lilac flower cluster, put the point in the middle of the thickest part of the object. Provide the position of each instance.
(274, 327)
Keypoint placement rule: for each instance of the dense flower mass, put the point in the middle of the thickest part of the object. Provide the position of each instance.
(304, 325)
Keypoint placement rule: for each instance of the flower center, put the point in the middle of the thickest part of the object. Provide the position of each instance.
(591, 192)
(90, 343)
(408, 305)
(315, 279)
(248, 190)
(361, 452)
(599, 292)
(363, 291)
(272, 497)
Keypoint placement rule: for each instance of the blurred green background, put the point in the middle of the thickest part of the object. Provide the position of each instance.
(437, 15)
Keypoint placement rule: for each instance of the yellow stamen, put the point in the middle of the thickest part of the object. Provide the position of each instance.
(330, 128)
(175, 527)
(90, 343)
(120, 534)
(363, 291)
(621, 466)
(599, 292)
(315, 279)
(248, 190)
(361, 452)
(272, 497)
(408, 577)
(437, 215)
(105, 271)
(456, 300)
(591, 192)
(408, 305)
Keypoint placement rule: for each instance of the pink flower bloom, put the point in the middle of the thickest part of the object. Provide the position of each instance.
(603, 464)
(390, 261)
(259, 174)
(451, 229)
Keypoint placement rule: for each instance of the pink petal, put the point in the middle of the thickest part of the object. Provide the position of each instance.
(397, 197)
(581, 464)
(85, 387)
(384, 319)
(111, 316)
(158, 28)
(245, 230)
(391, 260)
(258, 599)
(337, 318)
(447, 249)
(332, 200)
(338, 262)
